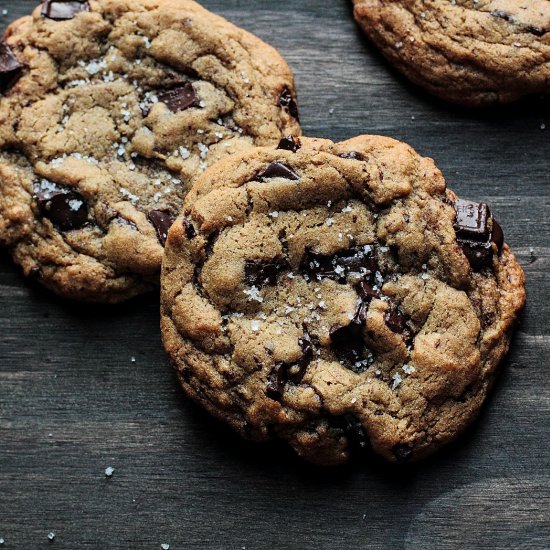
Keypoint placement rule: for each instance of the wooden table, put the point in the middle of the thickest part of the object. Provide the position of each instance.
(84, 388)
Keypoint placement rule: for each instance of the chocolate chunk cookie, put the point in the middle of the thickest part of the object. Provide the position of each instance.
(339, 297)
(109, 109)
(470, 52)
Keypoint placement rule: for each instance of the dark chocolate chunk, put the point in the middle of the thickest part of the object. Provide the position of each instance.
(348, 344)
(189, 229)
(180, 98)
(286, 100)
(473, 235)
(261, 273)
(282, 372)
(162, 221)
(353, 429)
(10, 68)
(276, 382)
(352, 155)
(479, 254)
(501, 14)
(497, 236)
(290, 143)
(395, 320)
(60, 10)
(366, 292)
(277, 170)
(471, 220)
(402, 453)
(339, 265)
(537, 31)
(64, 208)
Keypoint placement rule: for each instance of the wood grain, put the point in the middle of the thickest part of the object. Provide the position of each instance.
(72, 401)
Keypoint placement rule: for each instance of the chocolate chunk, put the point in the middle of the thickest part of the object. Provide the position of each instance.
(290, 143)
(277, 170)
(276, 382)
(189, 229)
(282, 372)
(497, 236)
(501, 14)
(262, 273)
(10, 68)
(471, 220)
(162, 221)
(352, 155)
(64, 208)
(473, 235)
(340, 265)
(286, 100)
(537, 31)
(366, 292)
(358, 439)
(395, 320)
(60, 10)
(479, 255)
(348, 344)
(180, 98)
(402, 453)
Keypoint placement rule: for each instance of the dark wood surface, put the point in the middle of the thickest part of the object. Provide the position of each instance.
(73, 402)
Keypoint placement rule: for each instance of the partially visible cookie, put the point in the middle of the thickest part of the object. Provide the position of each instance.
(474, 53)
(109, 109)
(339, 297)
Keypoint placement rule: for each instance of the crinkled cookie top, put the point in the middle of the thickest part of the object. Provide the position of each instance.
(470, 52)
(109, 109)
(337, 296)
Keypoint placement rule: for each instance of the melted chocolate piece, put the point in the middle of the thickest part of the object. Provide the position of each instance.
(286, 100)
(60, 10)
(162, 221)
(479, 254)
(10, 68)
(352, 155)
(189, 229)
(366, 292)
(348, 344)
(66, 209)
(277, 170)
(260, 274)
(290, 143)
(281, 373)
(340, 265)
(180, 98)
(537, 31)
(354, 431)
(396, 321)
(276, 382)
(497, 236)
(402, 453)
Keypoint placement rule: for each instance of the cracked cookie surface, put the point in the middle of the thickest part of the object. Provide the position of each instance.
(339, 297)
(474, 53)
(109, 109)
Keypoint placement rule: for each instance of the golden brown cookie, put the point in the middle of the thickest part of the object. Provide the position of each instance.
(339, 297)
(474, 53)
(109, 109)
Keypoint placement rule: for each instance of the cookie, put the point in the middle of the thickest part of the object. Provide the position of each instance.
(109, 109)
(339, 297)
(474, 53)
